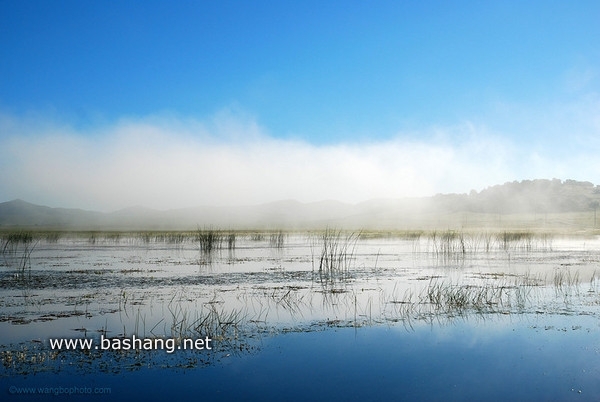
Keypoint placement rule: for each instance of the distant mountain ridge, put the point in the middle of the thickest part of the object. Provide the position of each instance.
(535, 197)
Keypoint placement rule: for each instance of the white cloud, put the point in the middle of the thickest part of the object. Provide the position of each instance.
(171, 163)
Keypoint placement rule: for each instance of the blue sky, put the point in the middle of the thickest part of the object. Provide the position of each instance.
(484, 91)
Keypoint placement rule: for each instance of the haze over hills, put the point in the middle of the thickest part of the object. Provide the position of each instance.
(529, 202)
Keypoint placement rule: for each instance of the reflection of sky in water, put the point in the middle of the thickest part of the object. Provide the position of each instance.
(132, 286)
(536, 341)
(504, 358)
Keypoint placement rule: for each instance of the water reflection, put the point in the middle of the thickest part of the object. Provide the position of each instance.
(526, 357)
(242, 289)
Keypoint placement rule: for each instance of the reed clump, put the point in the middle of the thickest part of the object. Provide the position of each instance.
(231, 237)
(257, 236)
(174, 238)
(448, 243)
(515, 240)
(337, 253)
(12, 240)
(460, 298)
(277, 239)
(17, 248)
(209, 239)
(454, 244)
(220, 325)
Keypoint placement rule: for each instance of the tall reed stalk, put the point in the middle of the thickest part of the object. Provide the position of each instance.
(337, 253)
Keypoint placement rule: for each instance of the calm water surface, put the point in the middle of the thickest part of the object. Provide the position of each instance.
(401, 320)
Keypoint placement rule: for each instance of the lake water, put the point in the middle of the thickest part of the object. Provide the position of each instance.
(300, 316)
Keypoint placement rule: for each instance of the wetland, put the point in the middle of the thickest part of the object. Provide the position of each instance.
(415, 315)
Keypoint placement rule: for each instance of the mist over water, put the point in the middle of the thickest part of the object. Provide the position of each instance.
(169, 163)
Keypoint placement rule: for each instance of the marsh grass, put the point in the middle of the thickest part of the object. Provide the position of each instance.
(524, 241)
(566, 278)
(455, 244)
(567, 284)
(515, 241)
(219, 324)
(17, 248)
(447, 244)
(12, 240)
(336, 255)
(231, 238)
(277, 239)
(257, 236)
(173, 238)
(209, 239)
(448, 297)
(481, 295)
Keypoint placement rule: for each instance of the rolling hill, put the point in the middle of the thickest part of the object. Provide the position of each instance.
(529, 202)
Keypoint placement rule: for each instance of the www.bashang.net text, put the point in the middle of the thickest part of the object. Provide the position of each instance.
(169, 345)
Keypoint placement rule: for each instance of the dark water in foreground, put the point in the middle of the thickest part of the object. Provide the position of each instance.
(500, 358)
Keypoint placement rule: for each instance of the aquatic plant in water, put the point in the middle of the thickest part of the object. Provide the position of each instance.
(337, 254)
(17, 248)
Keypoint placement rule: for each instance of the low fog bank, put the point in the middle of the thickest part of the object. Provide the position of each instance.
(553, 203)
(168, 162)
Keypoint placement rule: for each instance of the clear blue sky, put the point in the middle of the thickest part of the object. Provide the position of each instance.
(323, 73)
